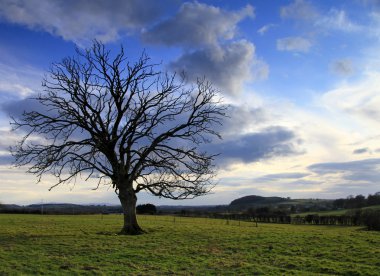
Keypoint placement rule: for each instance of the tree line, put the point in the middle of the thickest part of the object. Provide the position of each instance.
(359, 201)
(357, 217)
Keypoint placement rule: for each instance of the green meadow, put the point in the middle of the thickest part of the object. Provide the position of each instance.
(75, 245)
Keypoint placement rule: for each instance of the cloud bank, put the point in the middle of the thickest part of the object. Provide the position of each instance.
(360, 171)
(80, 20)
(197, 24)
(227, 66)
(208, 36)
(257, 146)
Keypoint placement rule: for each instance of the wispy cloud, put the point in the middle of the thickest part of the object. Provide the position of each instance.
(333, 20)
(265, 28)
(299, 9)
(361, 100)
(19, 80)
(337, 20)
(366, 170)
(294, 44)
(281, 176)
(7, 139)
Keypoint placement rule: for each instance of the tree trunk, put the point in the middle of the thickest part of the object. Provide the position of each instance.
(128, 201)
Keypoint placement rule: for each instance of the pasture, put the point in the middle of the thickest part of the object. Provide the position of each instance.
(74, 245)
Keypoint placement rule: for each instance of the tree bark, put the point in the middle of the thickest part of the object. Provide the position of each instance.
(128, 201)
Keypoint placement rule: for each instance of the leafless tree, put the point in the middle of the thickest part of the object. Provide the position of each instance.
(129, 124)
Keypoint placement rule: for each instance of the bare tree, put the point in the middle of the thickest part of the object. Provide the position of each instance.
(130, 125)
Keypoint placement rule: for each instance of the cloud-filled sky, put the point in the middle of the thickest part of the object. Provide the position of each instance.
(302, 78)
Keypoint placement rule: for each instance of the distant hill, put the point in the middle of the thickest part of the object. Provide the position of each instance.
(288, 204)
(255, 201)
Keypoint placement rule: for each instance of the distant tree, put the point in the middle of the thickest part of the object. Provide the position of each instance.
(360, 201)
(339, 203)
(146, 209)
(373, 199)
(126, 123)
(371, 218)
(309, 218)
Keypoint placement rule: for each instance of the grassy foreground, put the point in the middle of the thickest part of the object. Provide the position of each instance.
(72, 245)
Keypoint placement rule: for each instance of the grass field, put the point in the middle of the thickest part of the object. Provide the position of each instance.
(73, 245)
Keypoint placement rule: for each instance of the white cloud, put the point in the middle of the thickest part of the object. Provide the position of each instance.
(373, 29)
(359, 101)
(337, 20)
(208, 34)
(294, 44)
(227, 66)
(356, 175)
(7, 139)
(242, 119)
(334, 20)
(299, 9)
(318, 137)
(80, 20)
(18, 187)
(197, 24)
(259, 70)
(265, 28)
(19, 80)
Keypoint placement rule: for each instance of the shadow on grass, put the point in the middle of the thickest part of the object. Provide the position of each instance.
(107, 233)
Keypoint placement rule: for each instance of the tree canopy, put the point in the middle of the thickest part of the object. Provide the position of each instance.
(124, 122)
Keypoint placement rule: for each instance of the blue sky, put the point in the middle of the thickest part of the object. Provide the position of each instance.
(302, 78)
